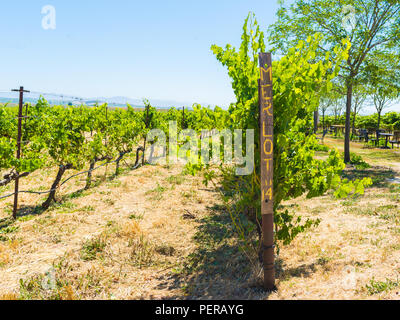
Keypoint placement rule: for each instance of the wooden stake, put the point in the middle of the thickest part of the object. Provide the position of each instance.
(183, 119)
(145, 138)
(267, 168)
(20, 116)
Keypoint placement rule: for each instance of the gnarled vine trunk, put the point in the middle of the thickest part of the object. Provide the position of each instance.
(52, 196)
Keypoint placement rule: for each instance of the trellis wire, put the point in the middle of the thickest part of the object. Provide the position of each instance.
(137, 165)
(67, 97)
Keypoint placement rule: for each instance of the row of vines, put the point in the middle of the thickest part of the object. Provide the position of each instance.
(389, 121)
(81, 138)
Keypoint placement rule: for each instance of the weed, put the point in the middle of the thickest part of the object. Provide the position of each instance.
(40, 287)
(129, 230)
(176, 179)
(92, 248)
(110, 202)
(135, 216)
(188, 194)
(9, 230)
(142, 252)
(361, 211)
(88, 209)
(68, 205)
(323, 260)
(26, 218)
(165, 250)
(77, 194)
(394, 188)
(350, 202)
(156, 193)
(114, 183)
(358, 162)
(376, 287)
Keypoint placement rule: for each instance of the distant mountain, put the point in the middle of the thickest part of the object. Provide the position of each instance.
(138, 102)
(118, 101)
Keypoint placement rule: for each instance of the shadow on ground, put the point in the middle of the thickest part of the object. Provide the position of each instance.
(380, 175)
(217, 269)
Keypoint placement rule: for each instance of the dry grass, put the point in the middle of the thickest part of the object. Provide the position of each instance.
(153, 233)
(114, 241)
(354, 253)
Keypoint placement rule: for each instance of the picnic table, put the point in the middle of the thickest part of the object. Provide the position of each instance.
(386, 135)
(336, 127)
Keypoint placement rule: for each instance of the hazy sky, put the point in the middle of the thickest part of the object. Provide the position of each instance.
(154, 49)
(138, 49)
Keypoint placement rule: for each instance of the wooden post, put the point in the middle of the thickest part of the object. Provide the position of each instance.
(147, 126)
(183, 119)
(25, 132)
(20, 116)
(267, 168)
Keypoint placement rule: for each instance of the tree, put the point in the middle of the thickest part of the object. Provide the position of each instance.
(331, 101)
(360, 95)
(324, 106)
(381, 98)
(376, 27)
(337, 109)
(384, 81)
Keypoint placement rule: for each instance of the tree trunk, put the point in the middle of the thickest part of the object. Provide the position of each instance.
(379, 120)
(89, 176)
(117, 166)
(348, 116)
(52, 195)
(316, 115)
(137, 157)
(121, 155)
(353, 127)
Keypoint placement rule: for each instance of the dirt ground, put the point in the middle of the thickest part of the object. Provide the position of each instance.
(155, 233)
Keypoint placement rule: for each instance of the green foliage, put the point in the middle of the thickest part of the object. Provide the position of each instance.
(384, 85)
(36, 288)
(376, 287)
(353, 188)
(72, 137)
(291, 226)
(93, 247)
(64, 135)
(299, 80)
(125, 129)
(9, 229)
(389, 121)
(358, 162)
(374, 38)
(31, 146)
(321, 147)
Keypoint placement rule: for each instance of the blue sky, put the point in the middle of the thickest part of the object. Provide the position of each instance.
(153, 49)
(138, 49)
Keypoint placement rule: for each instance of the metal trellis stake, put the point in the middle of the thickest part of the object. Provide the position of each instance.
(267, 168)
(145, 138)
(183, 118)
(20, 116)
